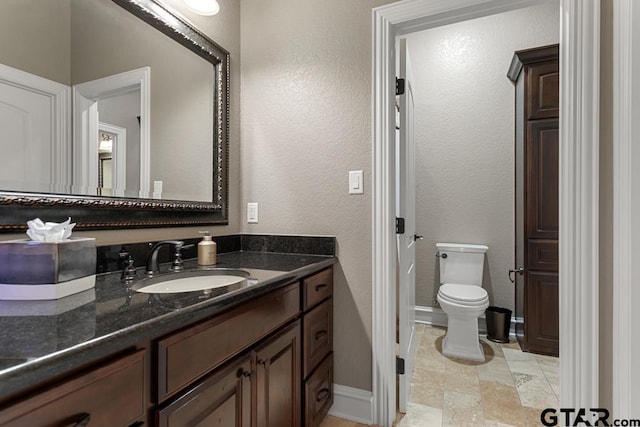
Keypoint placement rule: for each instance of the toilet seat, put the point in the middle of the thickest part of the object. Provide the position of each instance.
(468, 295)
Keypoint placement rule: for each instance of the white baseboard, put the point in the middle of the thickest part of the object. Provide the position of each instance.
(436, 317)
(352, 404)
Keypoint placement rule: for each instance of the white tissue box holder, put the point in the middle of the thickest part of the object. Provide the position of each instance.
(31, 270)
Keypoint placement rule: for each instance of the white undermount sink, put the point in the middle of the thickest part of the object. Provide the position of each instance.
(191, 281)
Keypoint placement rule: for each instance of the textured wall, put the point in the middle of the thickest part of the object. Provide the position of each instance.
(22, 45)
(465, 139)
(306, 121)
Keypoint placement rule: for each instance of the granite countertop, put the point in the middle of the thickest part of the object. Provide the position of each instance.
(40, 340)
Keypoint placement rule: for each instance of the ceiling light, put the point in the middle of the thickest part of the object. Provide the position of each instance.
(203, 7)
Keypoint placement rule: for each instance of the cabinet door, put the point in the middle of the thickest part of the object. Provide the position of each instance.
(224, 400)
(278, 380)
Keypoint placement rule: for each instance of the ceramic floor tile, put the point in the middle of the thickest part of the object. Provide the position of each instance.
(496, 347)
(496, 370)
(530, 367)
(421, 416)
(331, 421)
(463, 381)
(491, 393)
(462, 410)
(548, 360)
(428, 388)
(517, 355)
(491, 423)
(531, 417)
(501, 403)
(535, 391)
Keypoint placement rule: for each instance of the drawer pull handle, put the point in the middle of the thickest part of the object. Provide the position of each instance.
(81, 420)
(321, 334)
(322, 394)
(320, 286)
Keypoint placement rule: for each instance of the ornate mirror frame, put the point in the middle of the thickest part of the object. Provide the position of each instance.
(92, 212)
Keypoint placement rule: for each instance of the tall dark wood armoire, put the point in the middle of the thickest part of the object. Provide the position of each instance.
(535, 74)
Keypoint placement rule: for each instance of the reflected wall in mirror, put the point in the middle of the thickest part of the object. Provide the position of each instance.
(76, 70)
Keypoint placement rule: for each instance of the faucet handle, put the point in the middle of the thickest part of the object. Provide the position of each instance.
(129, 272)
(177, 264)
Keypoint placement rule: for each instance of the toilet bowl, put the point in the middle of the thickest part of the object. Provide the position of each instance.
(462, 298)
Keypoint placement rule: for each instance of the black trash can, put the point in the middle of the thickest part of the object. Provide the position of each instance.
(498, 324)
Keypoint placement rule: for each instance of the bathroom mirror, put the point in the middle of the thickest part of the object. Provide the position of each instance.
(183, 180)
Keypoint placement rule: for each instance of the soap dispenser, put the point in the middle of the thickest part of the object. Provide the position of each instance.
(207, 250)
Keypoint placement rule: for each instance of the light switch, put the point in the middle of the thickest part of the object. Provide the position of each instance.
(356, 185)
(252, 213)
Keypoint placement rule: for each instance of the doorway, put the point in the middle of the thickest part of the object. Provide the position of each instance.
(579, 175)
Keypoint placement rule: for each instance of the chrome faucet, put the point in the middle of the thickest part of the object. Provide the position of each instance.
(152, 259)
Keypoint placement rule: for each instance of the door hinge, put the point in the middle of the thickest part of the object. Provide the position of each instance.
(399, 225)
(399, 86)
(399, 365)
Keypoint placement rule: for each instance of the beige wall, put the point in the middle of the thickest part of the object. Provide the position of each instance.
(35, 37)
(464, 123)
(606, 205)
(306, 121)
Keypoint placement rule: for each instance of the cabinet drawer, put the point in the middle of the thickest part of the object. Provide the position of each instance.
(318, 335)
(188, 355)
(317, 288)
(318, 390)
(110, 395)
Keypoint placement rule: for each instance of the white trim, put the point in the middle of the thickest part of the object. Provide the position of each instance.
(119, 155)
(579, 102)
(579, 202)
(624, 303)
(139, 79)
(352, 404)
(431, 316)
(60, 100)
(436, 317)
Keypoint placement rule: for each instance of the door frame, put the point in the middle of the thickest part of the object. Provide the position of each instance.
(579, 184)
(626, 183)
(119, 154)
(85, 98)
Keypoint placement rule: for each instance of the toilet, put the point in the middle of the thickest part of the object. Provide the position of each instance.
(462, 298)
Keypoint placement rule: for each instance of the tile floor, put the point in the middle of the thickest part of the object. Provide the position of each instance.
(510, 388)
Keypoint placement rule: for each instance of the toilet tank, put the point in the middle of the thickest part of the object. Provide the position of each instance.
(463, 263)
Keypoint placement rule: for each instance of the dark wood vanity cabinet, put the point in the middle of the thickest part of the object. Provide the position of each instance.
(264, 363)
(317, 340)
(271, 365)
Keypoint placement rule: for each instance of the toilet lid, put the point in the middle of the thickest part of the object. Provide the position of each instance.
(465, 293)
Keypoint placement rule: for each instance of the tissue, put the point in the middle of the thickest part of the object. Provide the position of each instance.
(49, 231)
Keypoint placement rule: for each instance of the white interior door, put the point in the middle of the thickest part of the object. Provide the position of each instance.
(406, 208)
(34, 131)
